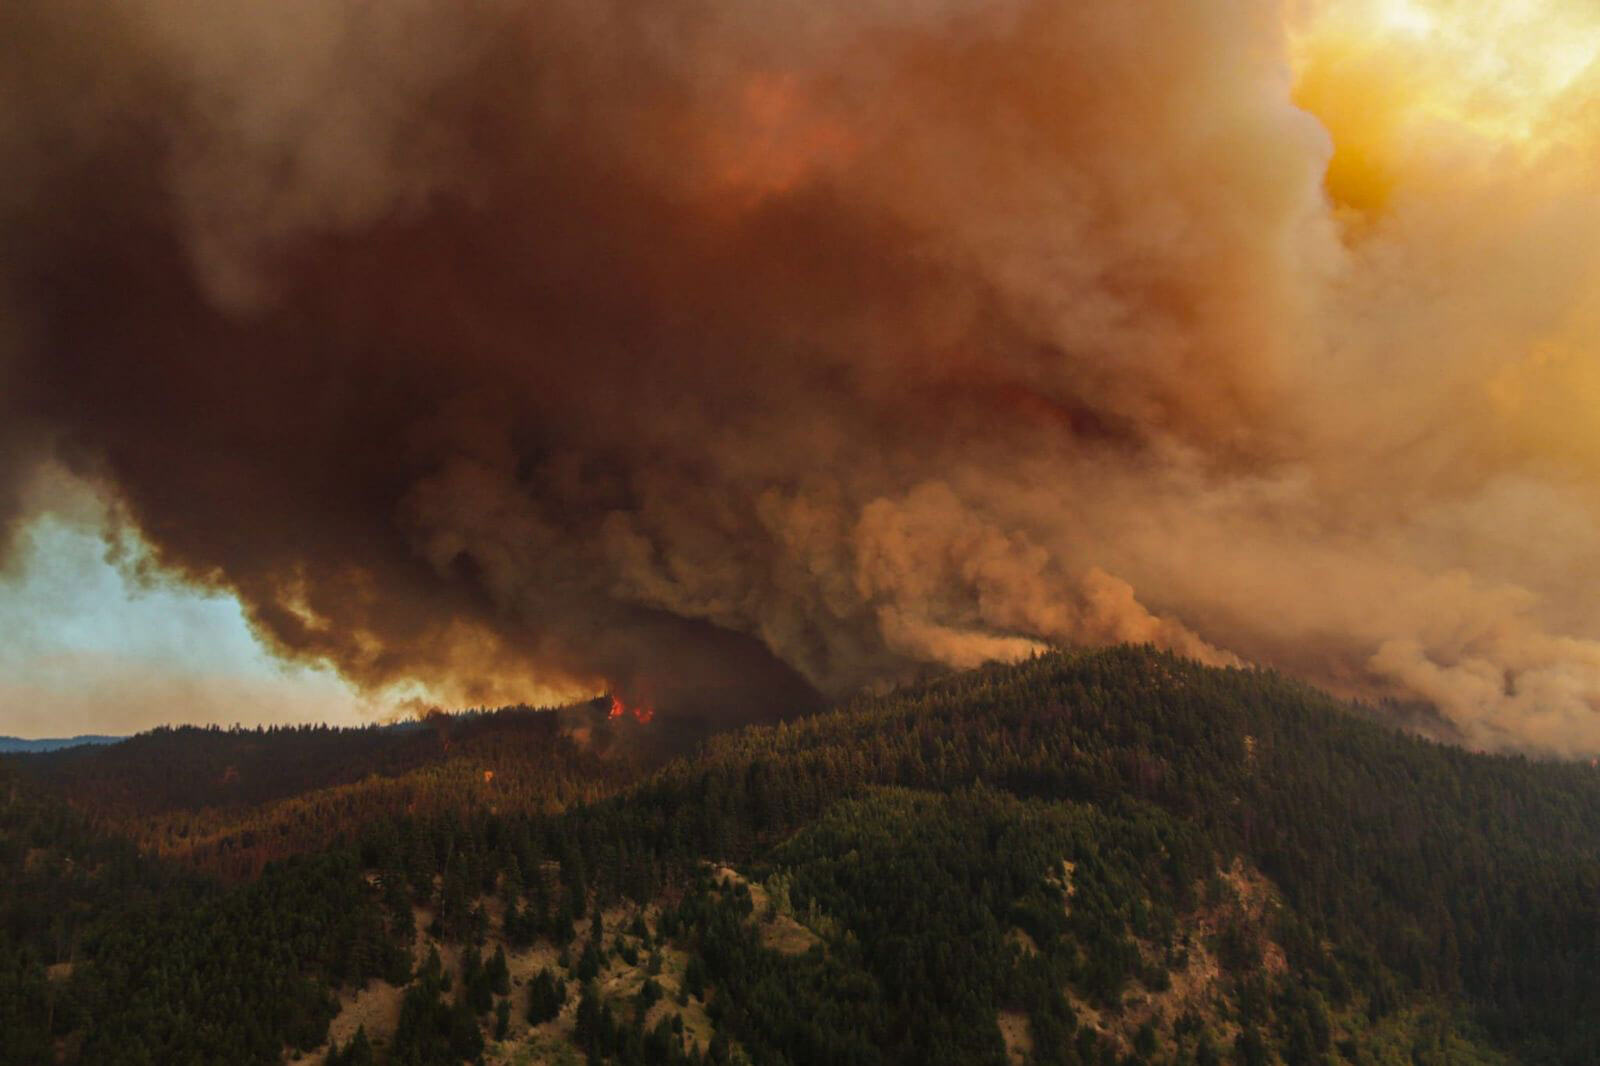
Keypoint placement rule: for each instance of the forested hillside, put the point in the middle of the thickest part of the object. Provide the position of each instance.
(1091, 857)
(228, 801)
(193, 768)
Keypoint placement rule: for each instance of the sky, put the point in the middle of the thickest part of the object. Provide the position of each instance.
(737, 357)
(90, 647)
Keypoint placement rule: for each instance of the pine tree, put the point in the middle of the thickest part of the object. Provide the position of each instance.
(499, 973)
(546, 995)
(359, 1051)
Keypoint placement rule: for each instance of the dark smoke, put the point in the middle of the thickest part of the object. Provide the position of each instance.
(722, 354)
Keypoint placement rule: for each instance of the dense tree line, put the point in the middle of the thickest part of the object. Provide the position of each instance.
(228, 801)
(1435, 901)
(166, 967)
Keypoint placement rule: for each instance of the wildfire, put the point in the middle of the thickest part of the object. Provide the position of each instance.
(642, 713)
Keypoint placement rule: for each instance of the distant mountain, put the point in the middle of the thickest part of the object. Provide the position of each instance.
(12, 745)
(228, 801)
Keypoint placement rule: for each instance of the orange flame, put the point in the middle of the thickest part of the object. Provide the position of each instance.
(641, 713)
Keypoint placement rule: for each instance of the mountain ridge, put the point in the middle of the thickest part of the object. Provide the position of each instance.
(18, 745)
(1087, 854)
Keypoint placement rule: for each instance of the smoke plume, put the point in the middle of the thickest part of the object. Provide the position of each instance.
(733, 353)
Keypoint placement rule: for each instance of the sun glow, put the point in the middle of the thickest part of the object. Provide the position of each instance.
(1463, 136)
(1405, 16)
(1412, 91)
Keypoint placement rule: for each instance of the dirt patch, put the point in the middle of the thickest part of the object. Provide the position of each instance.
(696, 1024)
(780, 931)
(1198, 983)
(540, 1049)
(787, 937)
(1063, 881)
(618, 982)
(1017, 1034)
(375, 1008)
(1256, 900)
(1024, 943)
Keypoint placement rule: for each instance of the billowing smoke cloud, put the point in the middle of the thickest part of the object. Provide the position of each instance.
(731, 354)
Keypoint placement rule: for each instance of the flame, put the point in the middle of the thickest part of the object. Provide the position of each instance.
(488, 776)
(642, 713)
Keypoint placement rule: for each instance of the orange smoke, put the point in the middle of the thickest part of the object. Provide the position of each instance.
(774, 140)
(745, 355)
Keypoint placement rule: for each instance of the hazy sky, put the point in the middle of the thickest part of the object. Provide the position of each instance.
(87, 648)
